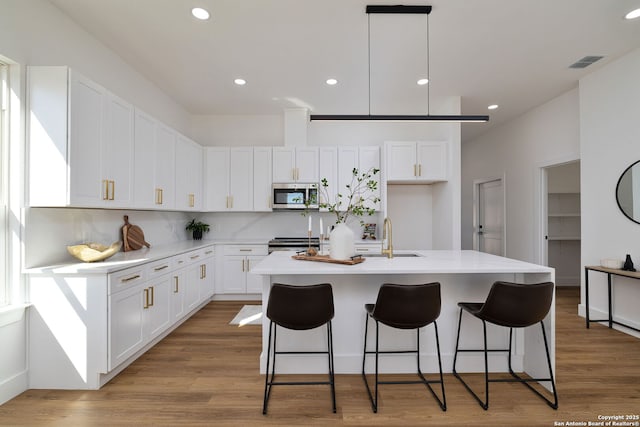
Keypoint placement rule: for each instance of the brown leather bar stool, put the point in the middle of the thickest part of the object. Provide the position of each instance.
(512, 305)
(299, 308)
(404, 307)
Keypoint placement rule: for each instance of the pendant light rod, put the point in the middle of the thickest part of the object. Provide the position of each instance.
(398, 9)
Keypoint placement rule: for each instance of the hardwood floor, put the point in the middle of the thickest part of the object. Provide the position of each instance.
(205, 373)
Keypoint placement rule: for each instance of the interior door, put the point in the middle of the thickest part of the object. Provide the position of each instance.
(491, 217)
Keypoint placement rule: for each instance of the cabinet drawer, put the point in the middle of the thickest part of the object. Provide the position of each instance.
(246, 250)
(368, 248)
(126, 279)
(159, 268)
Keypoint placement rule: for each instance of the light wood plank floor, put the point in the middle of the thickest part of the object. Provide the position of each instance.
(205, 373)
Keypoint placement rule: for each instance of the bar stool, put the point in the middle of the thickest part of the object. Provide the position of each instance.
(404, 307)
(512, 305)
(299, 308)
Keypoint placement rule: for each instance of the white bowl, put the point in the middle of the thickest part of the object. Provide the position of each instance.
(612, 263)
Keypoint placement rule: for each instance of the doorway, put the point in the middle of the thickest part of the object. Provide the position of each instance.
(489, 232)
(561, 221)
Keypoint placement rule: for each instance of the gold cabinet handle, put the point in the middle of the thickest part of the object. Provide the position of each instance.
(420, 170)
(152, 298)
(146, 298)
(192, 200)
(105, 193)
(246, 250)
(175, 285)
(415, 170)
(194, 256)
(113, 190)
(248, 266)
(231, 202)
(158, 196)
(243, 265)
(160, 268)
(203, 271)
(128, 279)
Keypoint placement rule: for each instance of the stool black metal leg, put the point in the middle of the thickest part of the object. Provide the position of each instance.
(374, 405)
(331, 364)
(267, 388)
(443, 402)
(485, 405)
(377, 360)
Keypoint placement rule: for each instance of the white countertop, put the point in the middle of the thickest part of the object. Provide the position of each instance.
(429, 262)
(123, 260)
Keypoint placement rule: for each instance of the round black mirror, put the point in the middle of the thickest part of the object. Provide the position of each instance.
(628, 192)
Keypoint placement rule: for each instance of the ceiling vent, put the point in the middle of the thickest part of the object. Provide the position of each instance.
(585, 62)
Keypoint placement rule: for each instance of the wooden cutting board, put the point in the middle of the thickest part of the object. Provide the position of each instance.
(325, 258)
(132, 236)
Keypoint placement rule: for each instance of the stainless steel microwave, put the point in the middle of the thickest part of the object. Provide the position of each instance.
(295, 196)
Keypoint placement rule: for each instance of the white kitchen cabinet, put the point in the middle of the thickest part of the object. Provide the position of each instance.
(262, 179)
(138, 312)
(199, 276)
(328, 166)
(364, 159)
(229, 178)
(417, 162)
(154, 163)
(82, 136)
(237, 263)
(189, 166)
(295, 164)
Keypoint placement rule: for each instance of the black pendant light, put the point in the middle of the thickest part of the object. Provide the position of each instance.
(398, 9)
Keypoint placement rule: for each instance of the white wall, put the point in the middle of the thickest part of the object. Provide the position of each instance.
(546, 135)
(610, 142)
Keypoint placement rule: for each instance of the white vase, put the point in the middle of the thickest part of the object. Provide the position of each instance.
(341, 242)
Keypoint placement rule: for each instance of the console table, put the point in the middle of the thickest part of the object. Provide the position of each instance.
(609, 272)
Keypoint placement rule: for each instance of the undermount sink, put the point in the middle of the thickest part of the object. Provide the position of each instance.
(405, 255)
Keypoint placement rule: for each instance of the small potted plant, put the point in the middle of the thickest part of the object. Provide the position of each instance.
(197, 228)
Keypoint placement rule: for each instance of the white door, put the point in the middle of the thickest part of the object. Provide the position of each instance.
(490, 221)
(401, 161)
(144, 161)
(216, 181)
(165, 167)
(431, 160)
(283, 164)
(117, 152)
(329, 171)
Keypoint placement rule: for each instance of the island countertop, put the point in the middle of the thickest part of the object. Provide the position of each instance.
(427, 262)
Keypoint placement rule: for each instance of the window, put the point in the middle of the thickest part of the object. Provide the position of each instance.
(4, 178)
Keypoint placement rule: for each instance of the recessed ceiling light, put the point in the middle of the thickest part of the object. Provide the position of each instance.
(633, 14)
(332, 82)
(492, 107)
(200, 13)
(240, 82)
(423, 82)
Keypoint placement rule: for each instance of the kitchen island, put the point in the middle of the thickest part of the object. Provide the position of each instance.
(463, 275)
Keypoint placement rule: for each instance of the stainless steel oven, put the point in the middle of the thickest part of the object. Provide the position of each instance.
(293, 244)
(295, 196)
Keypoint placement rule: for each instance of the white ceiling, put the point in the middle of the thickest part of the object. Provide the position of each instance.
(514, 53)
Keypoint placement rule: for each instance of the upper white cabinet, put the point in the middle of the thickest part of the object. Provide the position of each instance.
(262, 179)
(364, 159)
(229, 179)
(189, 166)
(80, 141)
(329, 171)
(417, 162)
(154, 157)
(295, 164)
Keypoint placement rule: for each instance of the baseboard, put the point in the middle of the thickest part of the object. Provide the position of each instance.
(237, 297)
(13, 386)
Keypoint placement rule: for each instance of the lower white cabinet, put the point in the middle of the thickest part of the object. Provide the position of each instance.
(236, 266)
(87, 325)
(136, 316)
(199, 278)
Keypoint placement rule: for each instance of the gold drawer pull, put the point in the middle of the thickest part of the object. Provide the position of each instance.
(128, 279)
(208, 252)
(160, 268)
(146, 299)
(176, 284)
(195, 257)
